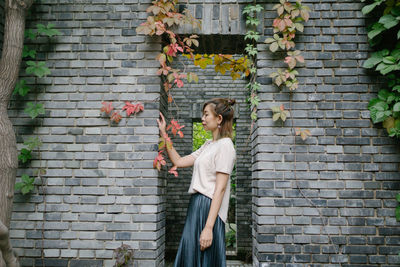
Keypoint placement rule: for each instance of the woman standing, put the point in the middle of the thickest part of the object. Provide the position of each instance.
(203, 239)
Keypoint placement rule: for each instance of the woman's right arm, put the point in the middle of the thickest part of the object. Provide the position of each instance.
(178, 161)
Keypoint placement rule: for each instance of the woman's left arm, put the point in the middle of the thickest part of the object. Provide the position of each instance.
(206, 235)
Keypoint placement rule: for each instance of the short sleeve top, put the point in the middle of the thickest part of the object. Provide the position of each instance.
(210, 158)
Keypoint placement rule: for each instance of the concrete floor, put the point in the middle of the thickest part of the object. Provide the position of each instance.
(229, 263)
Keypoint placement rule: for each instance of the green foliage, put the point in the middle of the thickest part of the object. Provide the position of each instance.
(26, 185)
(252, 36)
(230, 238)
(385, 107)
(21, 88)
(279, 112)
(33, 110)
(24, 155)
(47, 30)
(290, 20)
(200, 136)
(39, 69)
(398, 207)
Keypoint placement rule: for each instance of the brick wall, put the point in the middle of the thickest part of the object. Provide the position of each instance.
(348, 169)
(101, 189)
(190, 99)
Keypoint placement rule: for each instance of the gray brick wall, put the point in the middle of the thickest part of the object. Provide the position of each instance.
(348, 168)
(189, 100)
(101, 189)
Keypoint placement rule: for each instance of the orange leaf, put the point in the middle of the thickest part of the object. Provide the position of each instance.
(116, 117)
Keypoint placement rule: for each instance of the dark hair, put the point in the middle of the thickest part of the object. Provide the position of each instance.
(223, 107)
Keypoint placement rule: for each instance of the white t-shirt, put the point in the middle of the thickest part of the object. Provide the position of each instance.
(210, 158)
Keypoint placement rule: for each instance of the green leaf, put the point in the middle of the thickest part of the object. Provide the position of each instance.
(276, 116)
(398, 34)
(368, 8)
(24, 155)
(47, 30)
(396, 88)
(389, 60)
(30, 34)
(299, 27)
(18, 186)
(375, 58)
(26, 179)
(397, 212)
(39, 69)
(373, 101)
(273, 47)
(377, 29)
(21, 88)
(269, 40)
(396, 107)
(388, 69)
(26, 52)
(33, 142)
(33, 110)
(388, 21)
(398, 197)
(275, 109)
(383, 94)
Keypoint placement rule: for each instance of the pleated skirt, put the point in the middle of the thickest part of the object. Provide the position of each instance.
(189, 253)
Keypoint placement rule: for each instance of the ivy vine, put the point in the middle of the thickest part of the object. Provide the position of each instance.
(163, 19)
(33, 109)
(385, 107)
(252, 35)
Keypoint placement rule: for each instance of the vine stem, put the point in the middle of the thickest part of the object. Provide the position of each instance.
(295, 174)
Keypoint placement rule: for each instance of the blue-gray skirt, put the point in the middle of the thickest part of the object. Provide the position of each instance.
(189, 253)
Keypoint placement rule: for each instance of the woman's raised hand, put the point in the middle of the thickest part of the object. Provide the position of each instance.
(162, 124)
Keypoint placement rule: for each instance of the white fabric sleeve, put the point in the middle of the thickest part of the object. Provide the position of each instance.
(225, 157)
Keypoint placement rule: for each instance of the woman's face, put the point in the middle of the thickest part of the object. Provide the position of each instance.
(209, 121)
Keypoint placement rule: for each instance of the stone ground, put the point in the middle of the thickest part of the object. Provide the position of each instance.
(230, 263)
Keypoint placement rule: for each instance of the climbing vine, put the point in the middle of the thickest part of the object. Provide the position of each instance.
(165, 17)
(385, 107)
(252, 36)
(291, 17)
(33, 109)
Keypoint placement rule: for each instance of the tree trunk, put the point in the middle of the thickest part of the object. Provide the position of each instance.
(10, 62)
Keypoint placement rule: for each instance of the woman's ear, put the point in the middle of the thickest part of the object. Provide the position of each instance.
(219, 120)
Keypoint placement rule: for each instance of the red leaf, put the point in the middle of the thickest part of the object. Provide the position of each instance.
(175, 127)
(107, 107)
(173, 171)
(139, 107)
(116, 117)
(159, 160)
(130, 108)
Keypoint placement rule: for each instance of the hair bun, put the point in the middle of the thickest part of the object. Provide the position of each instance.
(231, 101)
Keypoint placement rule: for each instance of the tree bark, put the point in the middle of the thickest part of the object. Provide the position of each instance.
(10, 62)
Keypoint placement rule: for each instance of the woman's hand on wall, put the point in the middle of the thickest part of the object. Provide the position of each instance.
(162, 124)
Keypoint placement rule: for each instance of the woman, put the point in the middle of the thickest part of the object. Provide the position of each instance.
(203, 239)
